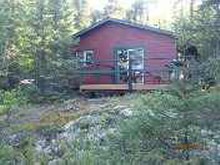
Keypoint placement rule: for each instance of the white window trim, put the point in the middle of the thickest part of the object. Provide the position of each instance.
(85, 55)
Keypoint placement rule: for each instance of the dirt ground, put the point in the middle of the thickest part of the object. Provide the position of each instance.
(32, 117)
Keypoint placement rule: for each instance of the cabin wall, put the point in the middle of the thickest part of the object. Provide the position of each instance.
(110, 36)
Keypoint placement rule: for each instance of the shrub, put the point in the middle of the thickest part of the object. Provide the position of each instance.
(6, 154)
(21, 95)
(9, 99)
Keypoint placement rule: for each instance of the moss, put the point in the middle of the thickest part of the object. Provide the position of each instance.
(59, 118)
(55, 119)
(30, 127)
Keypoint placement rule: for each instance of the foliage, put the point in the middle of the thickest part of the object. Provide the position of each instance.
(11, 99)
(139, 12)
(35, 37)
(35, 41)
(161, 124)
(7, 154)
(82, 13)
(22, 155)
(202, 29)
(211, 69)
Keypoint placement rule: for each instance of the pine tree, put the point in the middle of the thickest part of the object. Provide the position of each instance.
(62, 63)
(51, 28)
(10, 24)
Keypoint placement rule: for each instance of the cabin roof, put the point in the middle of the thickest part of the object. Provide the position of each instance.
(126, 23)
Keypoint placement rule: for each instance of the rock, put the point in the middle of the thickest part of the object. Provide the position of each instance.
(52, 148)
(111, 131)
(93, 127)
(82, 125)
(40, 145)
(126, 112)
(15, 140)
(119, 107)
(71, 105)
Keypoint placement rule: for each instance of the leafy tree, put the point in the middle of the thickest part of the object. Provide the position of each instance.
(202, 31)
(113, 9)
(139, 12)
(96, 15)
(81, 14)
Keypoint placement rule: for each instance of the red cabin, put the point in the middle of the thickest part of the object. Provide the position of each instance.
(115, 51)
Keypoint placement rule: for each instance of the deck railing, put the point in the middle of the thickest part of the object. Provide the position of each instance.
(160, 74)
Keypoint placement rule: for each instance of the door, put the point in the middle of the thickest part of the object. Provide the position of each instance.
(136, 57)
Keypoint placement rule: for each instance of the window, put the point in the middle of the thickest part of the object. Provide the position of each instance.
(85, 57)
(137, 57)
(88, 56)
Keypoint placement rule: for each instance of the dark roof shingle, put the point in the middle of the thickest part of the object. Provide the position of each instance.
(126, 23)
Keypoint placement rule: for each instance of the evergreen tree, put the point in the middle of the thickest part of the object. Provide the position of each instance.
(34, 36)
(11, 20)
(51, 28)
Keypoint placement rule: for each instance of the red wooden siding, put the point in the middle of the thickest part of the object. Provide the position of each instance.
(106, 38)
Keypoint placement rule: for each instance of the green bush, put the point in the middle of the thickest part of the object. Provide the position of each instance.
(9, 99)
(21, 95)
(6, 153)
(22, 154)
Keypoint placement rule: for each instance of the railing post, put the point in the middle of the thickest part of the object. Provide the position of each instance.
(130, 87)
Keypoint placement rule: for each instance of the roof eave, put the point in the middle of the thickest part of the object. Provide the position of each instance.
(128, 23)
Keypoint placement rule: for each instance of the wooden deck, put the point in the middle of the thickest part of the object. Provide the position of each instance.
(122, 87)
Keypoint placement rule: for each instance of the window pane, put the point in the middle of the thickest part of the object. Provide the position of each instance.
(88, 56)
(137, 57)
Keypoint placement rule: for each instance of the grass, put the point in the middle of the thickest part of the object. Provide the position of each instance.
(3, 110)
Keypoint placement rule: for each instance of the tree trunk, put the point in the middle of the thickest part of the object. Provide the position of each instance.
(192, 4)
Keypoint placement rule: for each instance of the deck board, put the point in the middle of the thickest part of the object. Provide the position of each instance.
(122, 87)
